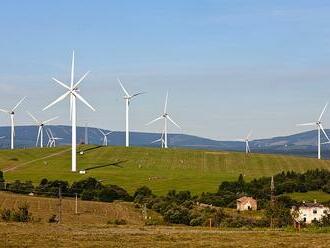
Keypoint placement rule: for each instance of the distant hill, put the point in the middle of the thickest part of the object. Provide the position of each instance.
(298, 144)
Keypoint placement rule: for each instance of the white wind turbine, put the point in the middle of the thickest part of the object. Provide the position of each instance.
(166, 117)
(12, 114)
(246, 140)
(41, 125)
(72, 91)
(127, 99)
(320, 128)
(105, 137)
(51, 139)
(161, 140)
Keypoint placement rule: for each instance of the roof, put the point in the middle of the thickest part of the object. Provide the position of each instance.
(311, 205)
(245, 199)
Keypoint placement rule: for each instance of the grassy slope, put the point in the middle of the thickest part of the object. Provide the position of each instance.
(90, 213)
(310, 196)
(161, 170)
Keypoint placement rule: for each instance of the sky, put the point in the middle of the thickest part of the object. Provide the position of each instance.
(230, 66)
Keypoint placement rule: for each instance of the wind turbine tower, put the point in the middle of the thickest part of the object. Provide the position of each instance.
(166, 117)
(320, 128)
(73, 92)
(127, 98)
(12, 121)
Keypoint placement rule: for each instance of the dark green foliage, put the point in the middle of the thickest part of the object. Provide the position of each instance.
(22, 214)
(141, 194)
(51, 188)
(177, 215)
(279, 214)
(88, 195)
(86, 184)
(117, 222)
(6, 214)
(19, 187)
(113, 192)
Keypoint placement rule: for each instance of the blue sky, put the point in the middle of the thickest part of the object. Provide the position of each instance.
(230, 66)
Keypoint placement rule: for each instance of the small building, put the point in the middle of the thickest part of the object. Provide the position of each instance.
(246, 203)
(308, 212)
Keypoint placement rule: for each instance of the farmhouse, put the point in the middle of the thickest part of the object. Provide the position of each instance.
(307, 212)
(246, 203)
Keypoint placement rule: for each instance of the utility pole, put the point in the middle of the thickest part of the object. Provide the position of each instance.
(59, 205)
(76, 209)
(272, 199)
(86, 133)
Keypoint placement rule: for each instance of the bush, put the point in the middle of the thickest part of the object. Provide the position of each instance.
(117, 222)
(198, 221)
(53, 219)
(141, 193)
(22, 214)
(6, 214)
(177, 215)
(88, 195)
(113, 192)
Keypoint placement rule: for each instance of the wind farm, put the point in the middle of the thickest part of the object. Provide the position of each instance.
(148, 124)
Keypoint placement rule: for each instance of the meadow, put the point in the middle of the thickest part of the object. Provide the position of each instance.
(160, 169)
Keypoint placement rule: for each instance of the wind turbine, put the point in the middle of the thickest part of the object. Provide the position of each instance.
(41, 125)
(166, 117)
(51, 139)
(127, 99)
(12, 113)
(320, 128)
(161, 140)
(72, 91)
(105, 137)
(246, 140)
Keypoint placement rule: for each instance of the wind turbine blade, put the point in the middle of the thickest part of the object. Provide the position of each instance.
(249, 135)
(38, 136)
(83, 100)
(325, 107)
(5, 111)
(49, 120)
(123, 88)
(80, 80)
(248, 146)
(34, 118)
(136, 94)
(57, 100)
(156, 141)
(51, 133)
(168, 117)
(325, 134)
(307, 124)
(19, 103)
(59, 82)
(2, 137)
(47, 132)
(165, 106)
(72, 71)
(160, 117)
(108, 133)
(101, 132)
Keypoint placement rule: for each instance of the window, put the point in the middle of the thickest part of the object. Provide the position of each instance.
(304, 219)
(314, 211)
(325, 211)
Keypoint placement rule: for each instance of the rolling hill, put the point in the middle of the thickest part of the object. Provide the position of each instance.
(303, 144)
(161, 170)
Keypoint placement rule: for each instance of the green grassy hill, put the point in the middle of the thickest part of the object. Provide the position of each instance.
(161, 170)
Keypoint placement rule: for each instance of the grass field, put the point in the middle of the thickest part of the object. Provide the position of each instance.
(52, 235)
(88, 212)
(90, 229)
(310, 196)
(161, 170)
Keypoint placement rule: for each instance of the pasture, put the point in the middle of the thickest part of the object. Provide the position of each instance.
(160, 169)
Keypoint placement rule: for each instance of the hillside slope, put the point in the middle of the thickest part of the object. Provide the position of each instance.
(161, 170)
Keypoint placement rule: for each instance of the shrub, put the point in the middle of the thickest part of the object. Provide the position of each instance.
(177, 215)
(22, 214)
(88, 195)
(6, 214)
(117, 222)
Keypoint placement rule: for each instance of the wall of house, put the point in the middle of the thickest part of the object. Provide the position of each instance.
(308, 214)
